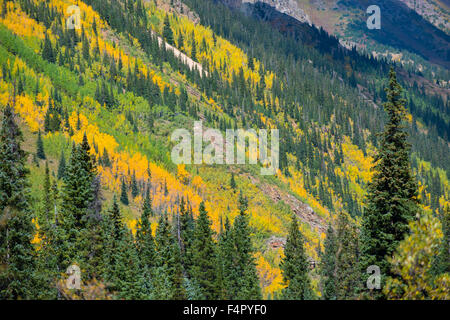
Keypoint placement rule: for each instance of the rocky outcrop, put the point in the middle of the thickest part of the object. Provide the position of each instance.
(289, 7)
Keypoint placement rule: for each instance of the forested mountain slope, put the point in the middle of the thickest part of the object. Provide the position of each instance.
(104, 100)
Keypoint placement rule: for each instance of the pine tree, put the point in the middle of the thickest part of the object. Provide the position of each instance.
(168, 262)
(134, 187)
(226, 261)
(17, 254)
(46, 199)
(180, 42)
(295, 266)
(186, 236)
(240, 276)
(232, 182)
(392, 196)
(204, 270)
(77, 198)
(124, 194)
(167, 31)
(47, 268)
(145, 244)
(122, 269)
(62, 166)
(47, 51)
(106, 162)
(347, 259)
(441, 263)
(328, 266)
(40, 147)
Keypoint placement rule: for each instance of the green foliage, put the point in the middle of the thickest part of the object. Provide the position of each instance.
(238, 270)
(62, 166)
(295, 266)
(412, 262)
(168, 262)
(17, 254)
(77, 198)
(392, 197)
(328, 281)
(167, 31)
(124, 193)
(40, 147)
(205, 266)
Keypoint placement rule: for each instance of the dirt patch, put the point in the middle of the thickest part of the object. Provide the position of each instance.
(303, 211)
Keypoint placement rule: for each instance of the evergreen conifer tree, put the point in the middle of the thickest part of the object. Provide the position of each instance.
(205, 267)
(295, 266)
(167, 31)
(40, 147)
(328, 266)
(61, 166)
(124, 193)
(17, 253)
(392, 195)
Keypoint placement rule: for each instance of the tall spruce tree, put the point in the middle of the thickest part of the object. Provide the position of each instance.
(167, 31)
(295, 266)
(145, 243)
(124, 193)
(441, 263)
(17, 254)
(328, 266)
(186, 236)
(40, 147)
(392, 195)
(168, 261)
(77, 198)
(122, 272)
(205, 270)
(347, 259)
(61, 166)
(239, 272)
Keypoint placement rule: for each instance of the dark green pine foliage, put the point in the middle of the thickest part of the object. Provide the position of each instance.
(205, 270)
(122, 271)
(17, 254)
(347, 259)
(77, 198)
(93, 236)
(232, 182)
(47, 202)
(225, 259)
(47, 51)
(295, 266)
(124, 193)
(441, 263)
(328, 266)
(240, 278)
(167, 31)
(134, 186)
(145, 243)
(62, 166)
(392, 195)
(47, 255)
(40, 147)
(168, 280)
(186, 236)
(106, 162)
